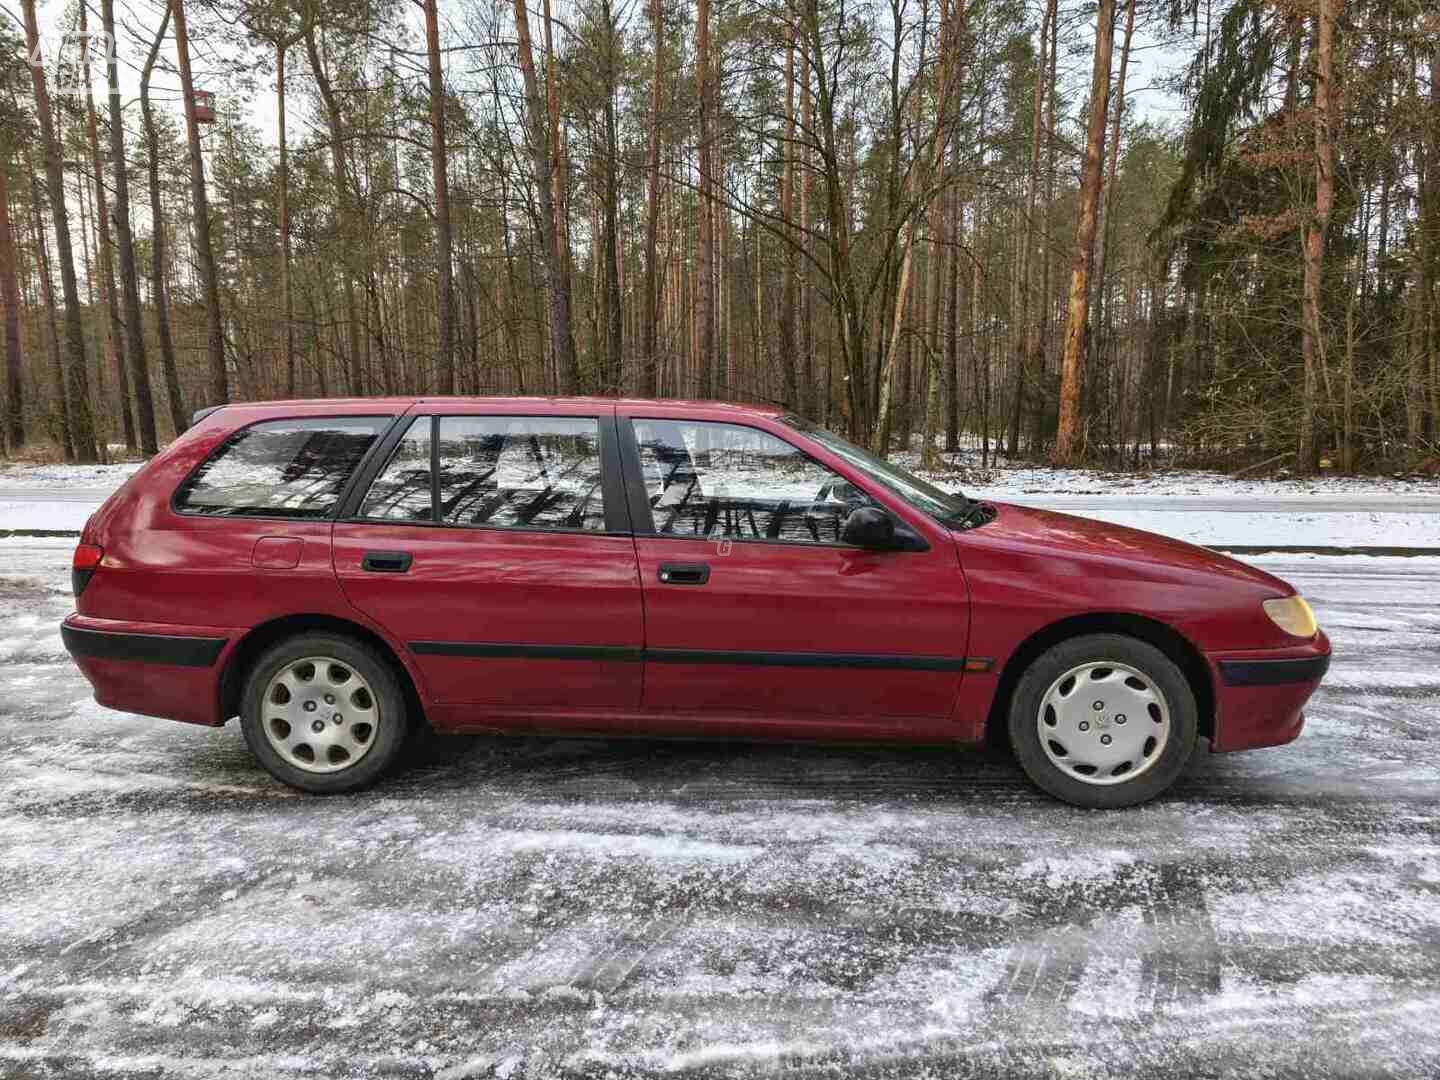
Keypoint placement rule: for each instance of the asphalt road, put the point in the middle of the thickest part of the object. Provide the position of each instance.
(583, 908)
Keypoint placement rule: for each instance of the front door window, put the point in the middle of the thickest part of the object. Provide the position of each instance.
(726, 481)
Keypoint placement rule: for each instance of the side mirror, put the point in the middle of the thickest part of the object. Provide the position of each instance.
(869, 527)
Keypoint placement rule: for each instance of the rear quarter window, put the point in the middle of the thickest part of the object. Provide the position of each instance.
(281, 468)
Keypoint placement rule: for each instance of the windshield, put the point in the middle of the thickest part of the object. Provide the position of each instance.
(922, 495)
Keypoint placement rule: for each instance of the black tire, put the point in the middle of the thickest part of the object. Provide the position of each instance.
(387, 734)
(1158, 774)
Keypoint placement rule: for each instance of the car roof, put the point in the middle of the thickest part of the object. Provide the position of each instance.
(398, 403)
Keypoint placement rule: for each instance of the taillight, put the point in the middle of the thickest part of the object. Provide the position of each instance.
(83, 566)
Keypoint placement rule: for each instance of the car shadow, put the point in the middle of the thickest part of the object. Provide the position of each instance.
(643, 769)
(455, 767)
(716, 770)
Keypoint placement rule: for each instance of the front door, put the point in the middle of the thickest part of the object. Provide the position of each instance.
(494, 546)
(758, 616)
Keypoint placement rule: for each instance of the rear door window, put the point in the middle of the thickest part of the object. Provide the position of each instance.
(281, 468)
(521, 472)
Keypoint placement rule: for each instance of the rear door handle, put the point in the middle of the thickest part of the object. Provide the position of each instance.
(675, 573)
(386, 562)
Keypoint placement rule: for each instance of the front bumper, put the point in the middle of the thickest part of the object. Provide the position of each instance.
(1283, 672)
(1260, 696)
(152, 669)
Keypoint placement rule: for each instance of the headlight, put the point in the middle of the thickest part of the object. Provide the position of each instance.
(1293, 615)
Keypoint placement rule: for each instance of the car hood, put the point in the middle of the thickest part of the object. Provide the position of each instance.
(1056, 537)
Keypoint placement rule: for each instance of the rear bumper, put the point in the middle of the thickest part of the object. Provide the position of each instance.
(1260, 696)
(152, 669)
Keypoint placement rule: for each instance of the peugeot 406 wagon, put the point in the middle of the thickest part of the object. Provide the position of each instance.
(335, 573)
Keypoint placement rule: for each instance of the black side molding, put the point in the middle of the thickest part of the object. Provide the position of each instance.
(868, 661)
(1274, 672)
(627, 654)
(142, 648)
(479, 649)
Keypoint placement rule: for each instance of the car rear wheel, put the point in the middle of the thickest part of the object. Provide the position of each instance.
(1103, 721)
(323, 713)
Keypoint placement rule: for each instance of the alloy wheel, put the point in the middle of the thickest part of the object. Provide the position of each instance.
(1103, 722)
(319, 714)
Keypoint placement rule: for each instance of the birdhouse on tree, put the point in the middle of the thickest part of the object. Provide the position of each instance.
(204, 107)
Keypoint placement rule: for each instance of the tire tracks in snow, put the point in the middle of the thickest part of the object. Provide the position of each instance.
(1182, 966)
(1179, 954)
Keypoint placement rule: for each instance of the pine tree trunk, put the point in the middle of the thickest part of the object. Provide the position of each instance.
(47, 295)
(82, 422)
(808, 391)
(704, 242)
(562, 340)
(114, 328)
(1068, 433)
(347, 231)
(952, 321)
(560, 189)
(1111, 166)
(760, 355)
(12, 434)
(179, 419)
(919, 185)
(650, 358)
(789, 368)
(204, 248)
(1430, 249)
(930, 381)
(1312, 341)
(440, 169)
(1039, 360)
(1027, 334)
(980, 345)
(614, 350)
(1347, 429)
(286, 288)
(139, 381)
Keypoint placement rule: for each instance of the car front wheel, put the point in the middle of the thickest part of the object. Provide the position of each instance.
(323, 713)
(1103, 721)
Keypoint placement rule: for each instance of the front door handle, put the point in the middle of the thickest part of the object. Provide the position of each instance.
(386, 562)
(676, 573)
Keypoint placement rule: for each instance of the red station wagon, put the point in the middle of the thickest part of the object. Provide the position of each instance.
(336, 572)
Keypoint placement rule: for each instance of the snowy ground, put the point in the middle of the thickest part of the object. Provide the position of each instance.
(1003, 481)
(1219, 511)
(582, 908)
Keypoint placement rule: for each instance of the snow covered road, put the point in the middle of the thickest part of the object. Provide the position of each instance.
(583, 908)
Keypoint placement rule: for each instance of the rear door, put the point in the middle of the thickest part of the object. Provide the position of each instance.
(758, 616)
(494, 543)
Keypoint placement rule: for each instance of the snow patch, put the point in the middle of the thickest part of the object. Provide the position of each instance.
(1088, 870)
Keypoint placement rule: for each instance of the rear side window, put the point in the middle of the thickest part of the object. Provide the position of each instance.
(281, 468)
(521, 472)
(507, 472)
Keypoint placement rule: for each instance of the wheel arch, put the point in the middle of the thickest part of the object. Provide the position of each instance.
(257, 640)
(1171, 642)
